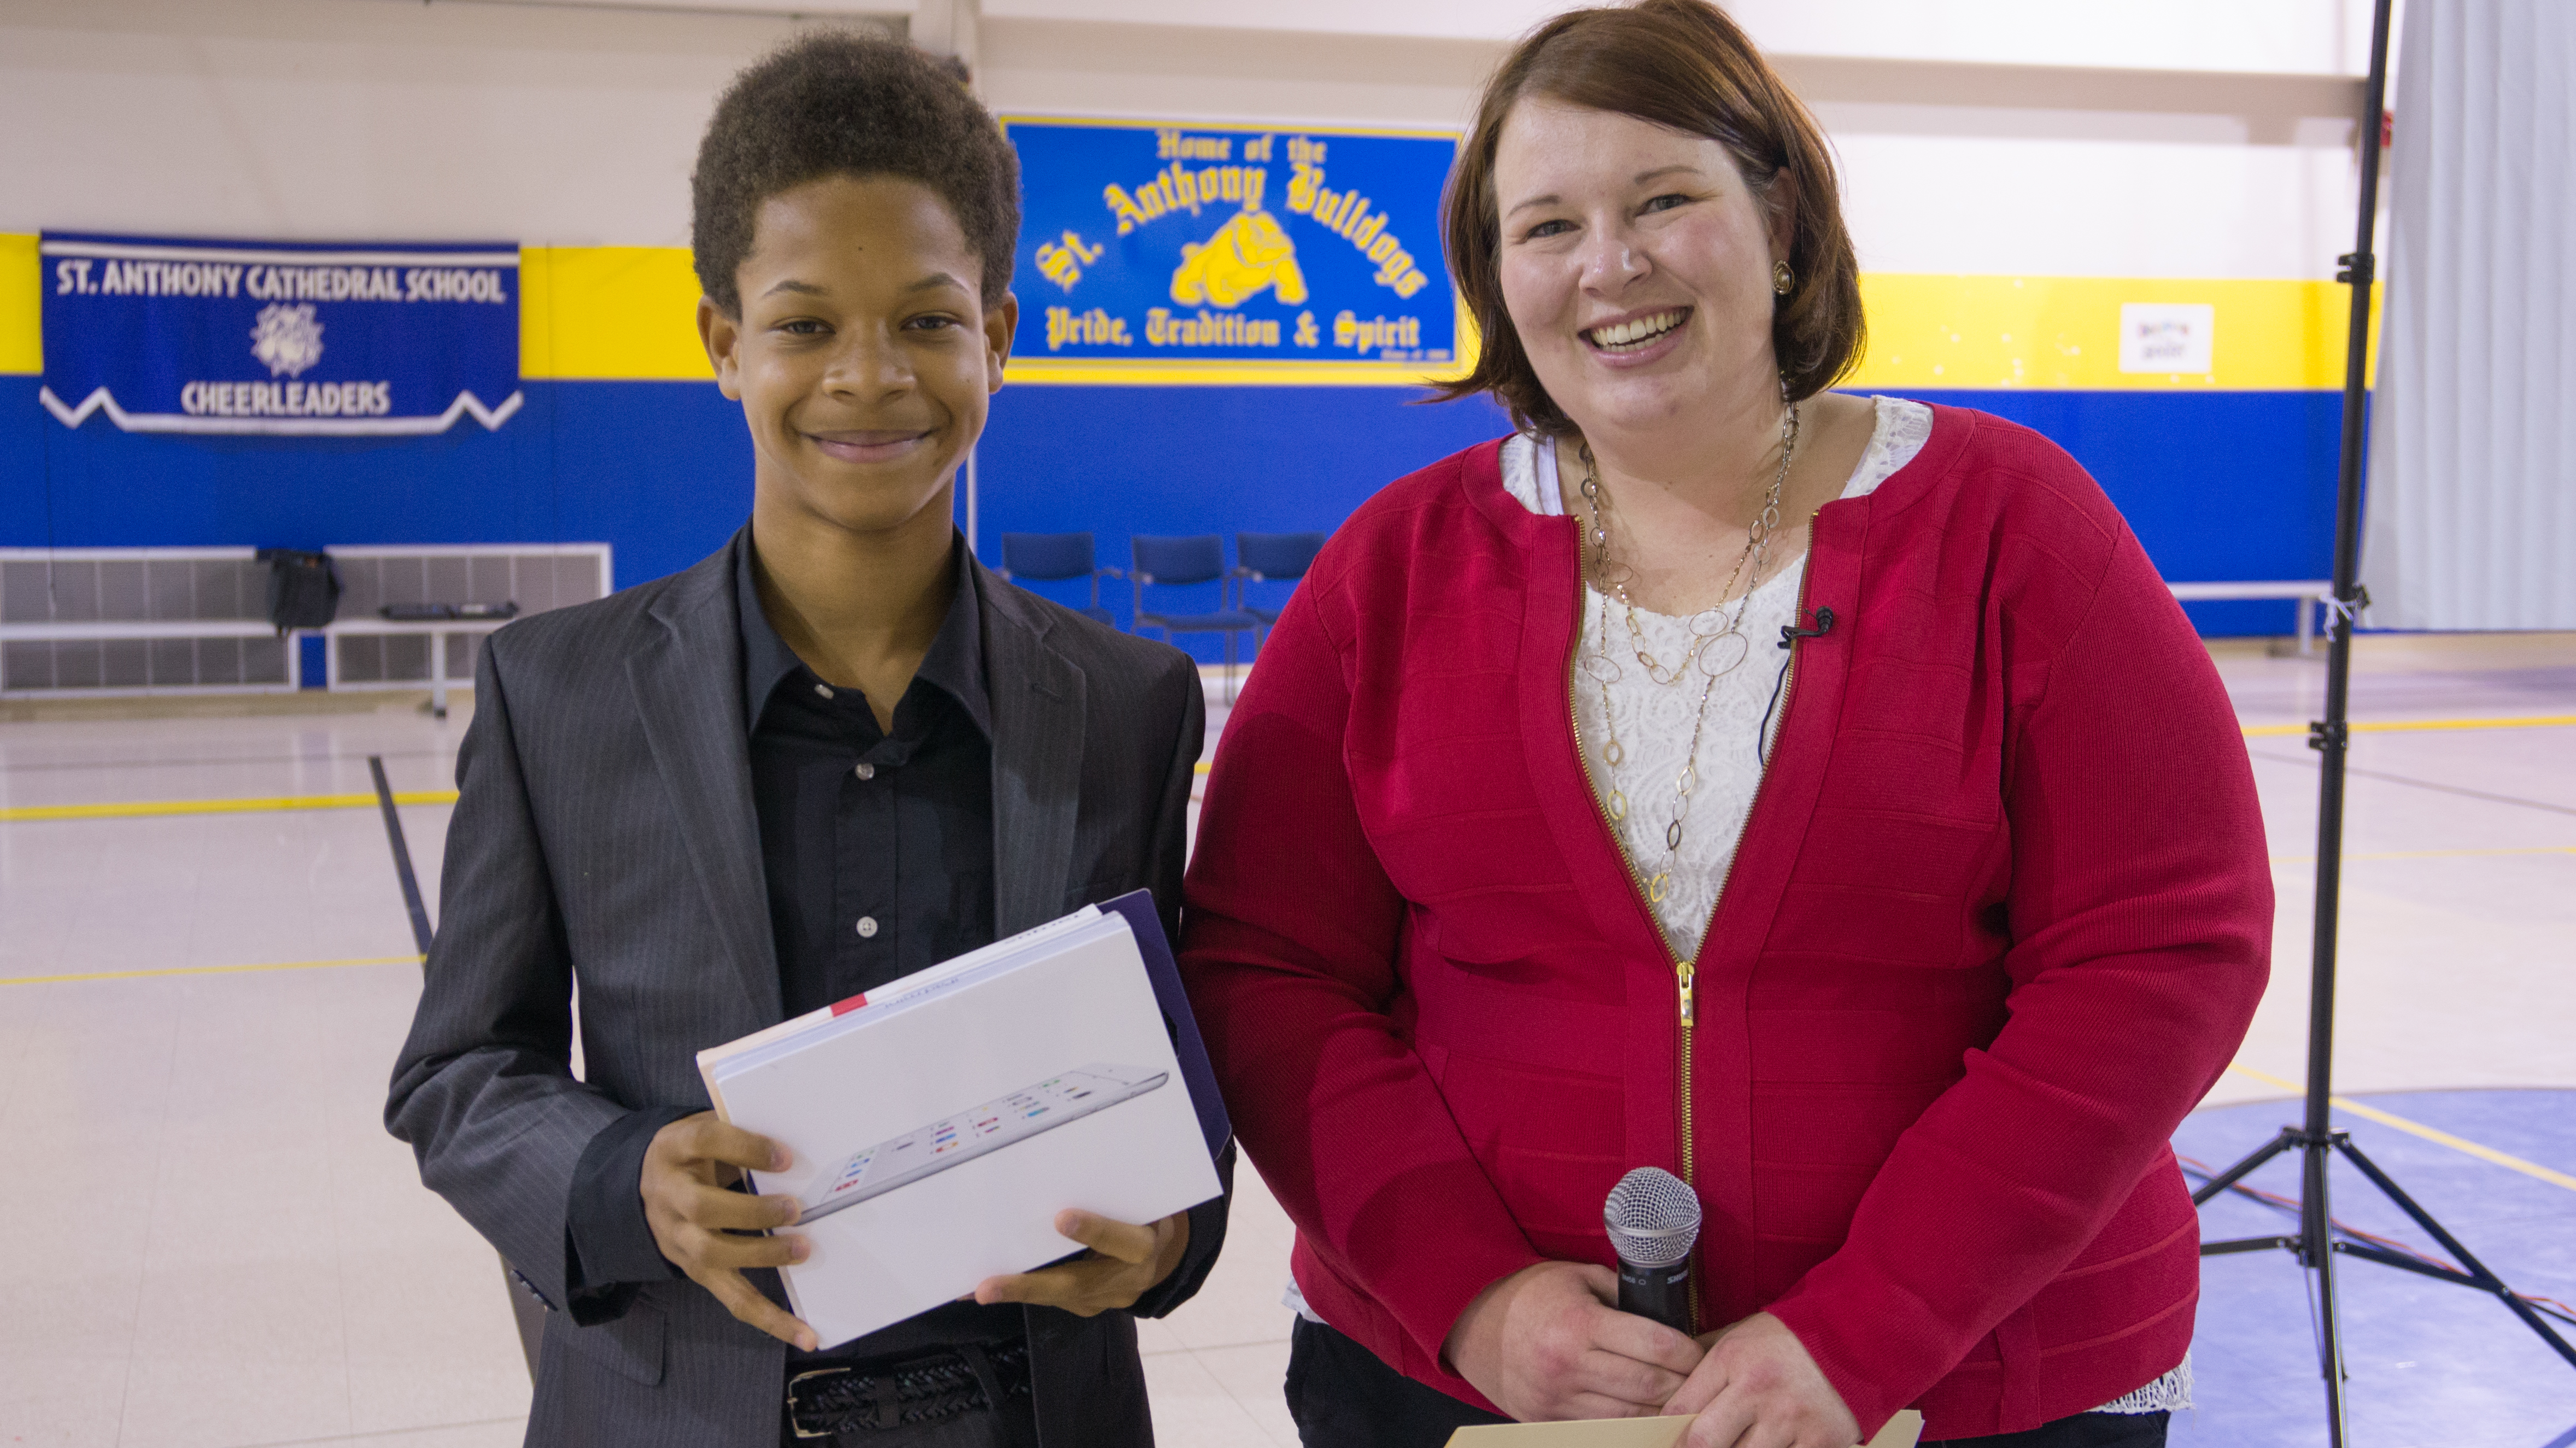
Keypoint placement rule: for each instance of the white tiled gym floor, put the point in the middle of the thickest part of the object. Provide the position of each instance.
(210, 1240)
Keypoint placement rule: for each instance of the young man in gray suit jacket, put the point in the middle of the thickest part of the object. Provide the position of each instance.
(833, 753)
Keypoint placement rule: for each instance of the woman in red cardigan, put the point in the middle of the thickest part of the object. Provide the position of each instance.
(1817, 797)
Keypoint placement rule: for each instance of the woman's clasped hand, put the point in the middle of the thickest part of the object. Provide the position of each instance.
(1549, 1343)
(1758, 1388)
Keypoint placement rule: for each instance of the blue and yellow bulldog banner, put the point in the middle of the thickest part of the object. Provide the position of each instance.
(279, 338)
(1157, 252)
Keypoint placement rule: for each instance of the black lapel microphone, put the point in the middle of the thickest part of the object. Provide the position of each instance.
(1790, 632)
(1654, 1227)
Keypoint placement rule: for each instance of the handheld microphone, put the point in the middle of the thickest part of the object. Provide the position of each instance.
(1653, 1219)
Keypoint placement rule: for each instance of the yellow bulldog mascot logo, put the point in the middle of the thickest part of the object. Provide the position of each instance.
(1247, 254)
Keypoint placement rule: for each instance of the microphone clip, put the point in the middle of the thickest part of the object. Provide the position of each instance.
(1790, 633)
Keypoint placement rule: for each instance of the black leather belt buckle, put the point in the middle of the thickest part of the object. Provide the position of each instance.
(828, 1401)
(876, 1396)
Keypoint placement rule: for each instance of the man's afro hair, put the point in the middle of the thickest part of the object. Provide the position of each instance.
(834, 102)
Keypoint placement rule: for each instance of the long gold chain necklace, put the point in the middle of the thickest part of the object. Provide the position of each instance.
(1605, 670)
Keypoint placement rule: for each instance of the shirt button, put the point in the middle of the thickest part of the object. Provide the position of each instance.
(823, 689)
(865, 771)
(867, 927)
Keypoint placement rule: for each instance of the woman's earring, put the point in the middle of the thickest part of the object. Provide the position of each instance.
(1782, 279)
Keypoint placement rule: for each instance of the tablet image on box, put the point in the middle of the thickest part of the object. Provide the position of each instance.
(938, 1124)
(956, 1140)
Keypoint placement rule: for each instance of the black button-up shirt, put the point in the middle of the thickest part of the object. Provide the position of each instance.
(877, 848)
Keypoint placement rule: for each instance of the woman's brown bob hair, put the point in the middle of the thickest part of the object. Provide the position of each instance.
(1682, 64)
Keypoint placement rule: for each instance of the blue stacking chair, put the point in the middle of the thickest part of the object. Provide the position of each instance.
(1270, 558)
(1049, 557)
(1179, 562)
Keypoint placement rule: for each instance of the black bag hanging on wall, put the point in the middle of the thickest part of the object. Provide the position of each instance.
(303, 588)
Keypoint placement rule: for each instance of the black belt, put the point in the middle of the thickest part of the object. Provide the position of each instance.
(875, 1397)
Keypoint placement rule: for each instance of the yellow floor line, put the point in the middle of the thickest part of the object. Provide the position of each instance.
(2412, 726)
(2351, 857)
(143, 808)
(2368, 1113)
(2442, 1138)
(210, 970)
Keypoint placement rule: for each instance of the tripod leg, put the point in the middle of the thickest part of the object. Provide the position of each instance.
(2316, 1251)
(2477, 1271)
(2288, 1138)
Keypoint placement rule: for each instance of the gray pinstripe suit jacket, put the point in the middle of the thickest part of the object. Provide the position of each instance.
(605, 838)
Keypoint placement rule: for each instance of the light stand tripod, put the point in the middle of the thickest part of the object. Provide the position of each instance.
(2316, 1141)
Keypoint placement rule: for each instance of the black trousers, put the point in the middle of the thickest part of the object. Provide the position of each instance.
(1342, 1396)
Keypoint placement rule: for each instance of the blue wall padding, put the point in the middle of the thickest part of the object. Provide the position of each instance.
(659, 470)
(2219, 485)
(1180, 460)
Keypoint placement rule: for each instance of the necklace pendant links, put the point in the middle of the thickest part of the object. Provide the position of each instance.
(1694, 654)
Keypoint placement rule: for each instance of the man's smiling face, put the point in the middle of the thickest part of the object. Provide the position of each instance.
(865, 356)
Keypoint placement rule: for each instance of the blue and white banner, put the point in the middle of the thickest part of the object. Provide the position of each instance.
(1167, 246)
(311, 339)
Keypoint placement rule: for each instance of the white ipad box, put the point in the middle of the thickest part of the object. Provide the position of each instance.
(939, 1122)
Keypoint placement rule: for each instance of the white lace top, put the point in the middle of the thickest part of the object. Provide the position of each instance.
(1652, 723)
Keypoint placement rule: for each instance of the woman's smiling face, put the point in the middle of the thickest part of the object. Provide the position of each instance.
(865, 354)
(1636, 264)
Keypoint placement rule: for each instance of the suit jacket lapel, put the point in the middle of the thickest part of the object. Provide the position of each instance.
(1038, 710)
(687, 678)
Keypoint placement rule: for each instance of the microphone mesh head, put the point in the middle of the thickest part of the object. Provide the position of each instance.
(1653, 1217)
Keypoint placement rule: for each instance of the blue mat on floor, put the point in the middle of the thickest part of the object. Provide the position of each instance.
(2429, 1364)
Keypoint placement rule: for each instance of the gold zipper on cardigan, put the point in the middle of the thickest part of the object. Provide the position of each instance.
(1685, 972)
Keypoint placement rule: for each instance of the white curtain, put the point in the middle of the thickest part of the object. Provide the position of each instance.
(2472, 505)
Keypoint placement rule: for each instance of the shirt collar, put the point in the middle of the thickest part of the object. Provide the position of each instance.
(954, 665)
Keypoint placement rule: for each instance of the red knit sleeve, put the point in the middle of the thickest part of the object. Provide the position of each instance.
(2140, 912)
(1290, 939)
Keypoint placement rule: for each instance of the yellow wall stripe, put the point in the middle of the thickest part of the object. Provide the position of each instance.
(143, 809)
(2064, 333)
(629, 313)
(2432, 1134)
(609, 313)
(22, 281)
(209, 970)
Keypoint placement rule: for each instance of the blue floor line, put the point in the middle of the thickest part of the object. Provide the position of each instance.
(2428, 1364)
